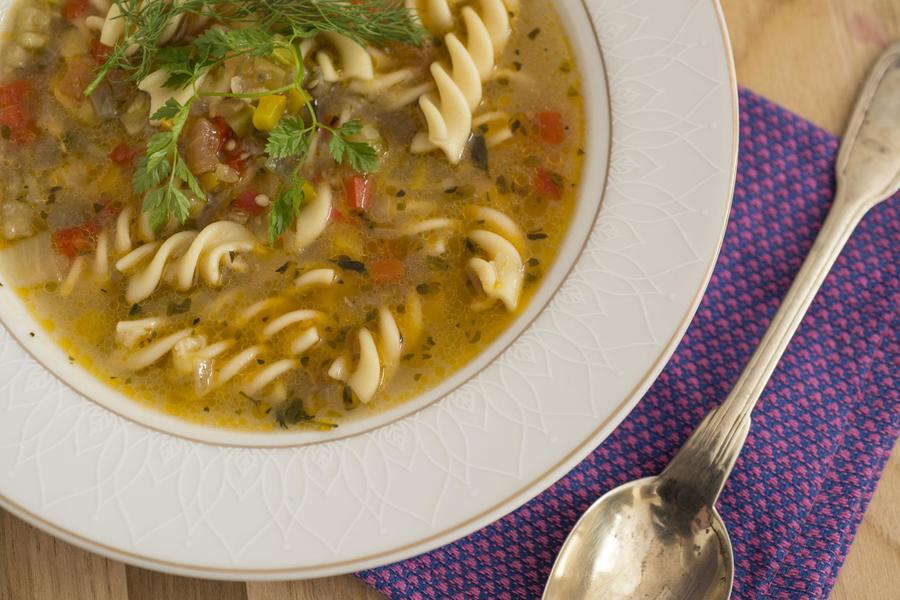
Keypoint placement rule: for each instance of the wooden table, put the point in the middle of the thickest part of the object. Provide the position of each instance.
(808, 55)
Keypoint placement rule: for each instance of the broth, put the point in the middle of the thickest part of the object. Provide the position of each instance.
(383, 284)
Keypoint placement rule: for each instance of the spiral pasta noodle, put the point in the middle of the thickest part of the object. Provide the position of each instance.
(379, 354)
(312, 220)
(183, 258)
(449, 115)
(118, 240)
(354, 61)
(500, 272)
(284, 331)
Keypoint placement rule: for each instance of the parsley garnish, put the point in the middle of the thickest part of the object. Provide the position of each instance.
(160, 173)
(361, 156)
(285, 207)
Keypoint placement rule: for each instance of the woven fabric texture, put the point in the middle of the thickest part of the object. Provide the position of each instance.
(821, 433)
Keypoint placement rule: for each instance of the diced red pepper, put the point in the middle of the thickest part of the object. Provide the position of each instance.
(74, 9)
(547, 184)
(72, 241)
(246, 202)
(387, 269)
(358, 192)
(99, 50)
(14, 112)
(551, 128)
(124, 155)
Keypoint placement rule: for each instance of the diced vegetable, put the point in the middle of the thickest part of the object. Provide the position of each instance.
(547, 184)
(16, 121)
(337, 216)
(240, 122)
(296, 100)
(387, 269)
(550, 127)
(99, 50)
(74, 9)
(358, 191)
(77, 75)
(225, 133)
(246, 202)
(209, 182)
(124, 155)
(203, 142)
(268, 112)
(30, 262)
(72, 241)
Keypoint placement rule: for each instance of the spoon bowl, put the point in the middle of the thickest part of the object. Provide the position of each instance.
(639, 542)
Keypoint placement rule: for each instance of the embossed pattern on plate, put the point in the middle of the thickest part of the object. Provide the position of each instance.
(110, 485)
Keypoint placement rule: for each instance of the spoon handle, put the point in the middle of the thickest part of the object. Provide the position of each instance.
(868, 172)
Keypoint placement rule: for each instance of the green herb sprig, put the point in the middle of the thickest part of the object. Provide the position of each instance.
(161, 172)
(367, 22)
(264, 27)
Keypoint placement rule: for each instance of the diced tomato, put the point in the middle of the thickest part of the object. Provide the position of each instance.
(337, 216)
(14, 113)
(226, 134)
(246, 202)
(124, 155)
(550, 127)
(358, 192)
(239, 164)
(387, 269)
(105, 212)
(74, 9)
(99, 50)
(14, 92)
(547, 184)
(72, 241)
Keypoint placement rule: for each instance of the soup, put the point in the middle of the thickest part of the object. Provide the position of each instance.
(265, 215)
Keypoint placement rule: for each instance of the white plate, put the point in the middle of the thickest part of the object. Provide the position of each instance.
(106, 475)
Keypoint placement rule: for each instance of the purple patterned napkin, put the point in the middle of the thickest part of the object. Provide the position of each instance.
(821, 433)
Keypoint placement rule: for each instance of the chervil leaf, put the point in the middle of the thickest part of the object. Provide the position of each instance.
(185, 175)
(156, 205)
(179, 205)
(147, 176)
(361, 156)
(169, 110)
(290, 138)
(350, 128)
(285, 208)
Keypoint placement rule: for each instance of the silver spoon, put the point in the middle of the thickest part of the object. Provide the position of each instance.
(660, 538)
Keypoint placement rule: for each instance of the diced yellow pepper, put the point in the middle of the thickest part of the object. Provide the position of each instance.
(347, 241)
(309, 192)
(111, 182)
(268, 112)
(296, 100)
(209, 182)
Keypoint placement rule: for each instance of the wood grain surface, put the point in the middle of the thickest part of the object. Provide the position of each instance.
(808, 55)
